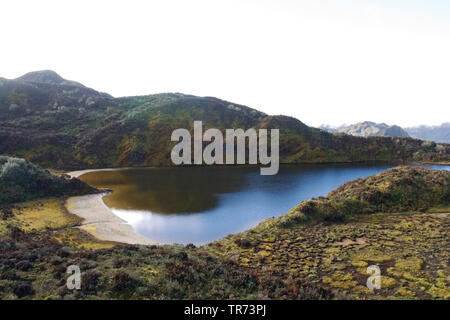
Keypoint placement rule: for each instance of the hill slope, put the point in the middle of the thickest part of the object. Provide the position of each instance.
(21, 180)
(62, 124)
(395, 190)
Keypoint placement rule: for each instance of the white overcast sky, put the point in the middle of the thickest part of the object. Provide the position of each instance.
(330, 61)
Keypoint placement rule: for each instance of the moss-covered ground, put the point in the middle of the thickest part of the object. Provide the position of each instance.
(39, 240)
(319, 251)
(411, 249)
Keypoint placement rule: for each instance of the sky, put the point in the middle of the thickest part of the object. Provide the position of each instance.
(321, 61)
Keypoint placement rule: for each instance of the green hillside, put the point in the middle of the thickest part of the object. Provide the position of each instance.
(398, 189)
(62, 124)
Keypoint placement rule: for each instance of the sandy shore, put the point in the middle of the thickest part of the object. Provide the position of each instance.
(101, 222)
(76, 174)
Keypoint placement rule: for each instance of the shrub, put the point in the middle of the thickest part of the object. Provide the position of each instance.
(23, 289)
(21, 180)
(90, 282)
(122, 282)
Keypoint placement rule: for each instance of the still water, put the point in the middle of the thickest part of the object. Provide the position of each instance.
(201, 204)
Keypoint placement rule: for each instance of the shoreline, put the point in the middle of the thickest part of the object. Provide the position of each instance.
(101, 222)
(78, 173)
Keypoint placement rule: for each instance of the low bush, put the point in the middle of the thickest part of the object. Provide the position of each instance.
(21, 180)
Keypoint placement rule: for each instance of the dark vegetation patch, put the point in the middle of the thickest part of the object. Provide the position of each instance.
(130, 272)
(21, 180)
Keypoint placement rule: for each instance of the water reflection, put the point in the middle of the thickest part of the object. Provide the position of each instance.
(168, 190)
(202, 204)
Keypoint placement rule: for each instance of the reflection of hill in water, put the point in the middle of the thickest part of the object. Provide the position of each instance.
(197, 189)
(228, 199)
(179, 190)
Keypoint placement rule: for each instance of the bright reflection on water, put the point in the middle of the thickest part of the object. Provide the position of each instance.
(201, 204)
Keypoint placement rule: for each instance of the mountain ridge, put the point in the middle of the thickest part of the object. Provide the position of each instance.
(369, 128)
(69, 126)
(439, 133)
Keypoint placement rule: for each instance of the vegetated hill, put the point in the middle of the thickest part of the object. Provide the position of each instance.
(21, 180)
(369, 129)
(439, 133)
(62, 124)
(47, 76)
(395, 190)
(410, 248)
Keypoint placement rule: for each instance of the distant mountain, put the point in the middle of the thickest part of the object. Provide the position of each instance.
(370, 129)
(434, 133)
(58, 123)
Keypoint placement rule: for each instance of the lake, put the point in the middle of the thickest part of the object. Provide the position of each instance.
(202, 204)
